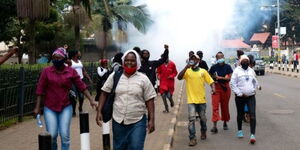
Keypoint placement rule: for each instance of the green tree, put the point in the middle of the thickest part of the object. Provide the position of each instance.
(86, 4)
(32, 10)
(121, 12)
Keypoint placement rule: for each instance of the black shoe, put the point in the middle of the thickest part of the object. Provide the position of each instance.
(172, 104)
(225, 126)
(74, 114)
(214, 130)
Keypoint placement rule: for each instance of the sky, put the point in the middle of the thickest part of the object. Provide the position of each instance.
(194, 25)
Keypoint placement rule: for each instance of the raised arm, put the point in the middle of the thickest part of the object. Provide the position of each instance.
(181, 74)
(164, 57)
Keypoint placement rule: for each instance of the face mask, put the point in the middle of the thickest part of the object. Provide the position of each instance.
(220, 61)
(130, 71)
(191, 62)
(58, 63)
(146, 58)
(245, 66)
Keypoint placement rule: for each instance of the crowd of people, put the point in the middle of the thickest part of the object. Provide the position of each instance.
(141, 79)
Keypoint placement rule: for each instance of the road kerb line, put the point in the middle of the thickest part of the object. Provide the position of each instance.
(281, 96)
(173, 122)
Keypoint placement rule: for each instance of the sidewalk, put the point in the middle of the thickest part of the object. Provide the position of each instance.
(283, 69)
(24, 136)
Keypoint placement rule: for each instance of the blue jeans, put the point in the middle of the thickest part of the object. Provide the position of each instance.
(59, 122)
(201, 110)
(129, 137)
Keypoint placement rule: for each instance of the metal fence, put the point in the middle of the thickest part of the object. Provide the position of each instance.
(17, 90)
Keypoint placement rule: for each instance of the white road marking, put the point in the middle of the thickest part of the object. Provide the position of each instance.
(279, 95)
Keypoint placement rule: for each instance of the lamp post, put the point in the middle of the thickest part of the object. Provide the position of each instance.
(278, 20)
(278, 23)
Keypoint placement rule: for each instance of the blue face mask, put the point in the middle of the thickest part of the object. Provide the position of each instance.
(58, 63)
(191, 62)
(220, 61)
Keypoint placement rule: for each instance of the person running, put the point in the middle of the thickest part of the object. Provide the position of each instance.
(78, 66)
(202, 63)
(196, 78)
(166, 75)
(244, 83)
(149, 67)
(221, 73)
(53, 88)
(134, 97)
(103, 73)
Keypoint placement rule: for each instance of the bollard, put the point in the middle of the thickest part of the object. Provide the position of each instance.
(106, 136)
(45, 141)
(84, 131)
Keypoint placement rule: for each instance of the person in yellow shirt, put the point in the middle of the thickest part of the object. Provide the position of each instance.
(196, 78)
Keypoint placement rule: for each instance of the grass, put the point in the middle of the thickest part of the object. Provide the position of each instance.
(12, 122)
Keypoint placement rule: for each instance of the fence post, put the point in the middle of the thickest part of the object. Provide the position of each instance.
(21, 95)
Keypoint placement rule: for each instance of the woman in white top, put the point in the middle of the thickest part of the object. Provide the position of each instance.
(244, 84)
(75, 57)
(134, 97)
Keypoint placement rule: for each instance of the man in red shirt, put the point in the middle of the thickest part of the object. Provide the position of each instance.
(166, 74)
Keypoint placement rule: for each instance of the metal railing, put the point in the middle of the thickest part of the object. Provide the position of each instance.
(17, 90)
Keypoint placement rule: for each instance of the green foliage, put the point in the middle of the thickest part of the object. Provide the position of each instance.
(8, 24)
(123, 11)
(137, 15)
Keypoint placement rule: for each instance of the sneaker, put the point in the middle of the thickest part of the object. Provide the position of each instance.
(193, 142)
(203, 135)
(240, 134)
(166, 111)
(214, 130)
(252, 139)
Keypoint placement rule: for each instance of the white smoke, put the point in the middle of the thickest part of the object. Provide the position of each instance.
(187, 25)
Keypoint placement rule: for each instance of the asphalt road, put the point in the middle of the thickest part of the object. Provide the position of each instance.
(278, 120)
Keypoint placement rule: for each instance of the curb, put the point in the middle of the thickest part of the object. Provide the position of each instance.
(288, 74)
(173, 123)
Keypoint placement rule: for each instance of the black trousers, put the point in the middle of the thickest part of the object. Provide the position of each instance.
(240, 105)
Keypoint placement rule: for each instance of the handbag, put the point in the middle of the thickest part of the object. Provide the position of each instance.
(107, 108)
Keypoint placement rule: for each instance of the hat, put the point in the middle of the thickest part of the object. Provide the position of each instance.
(101, 61)
(60, 51)
(194, 55)
(244, 57)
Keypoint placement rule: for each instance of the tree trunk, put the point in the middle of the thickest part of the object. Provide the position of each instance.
(76, 24)
(32, 49)
(105, 45)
